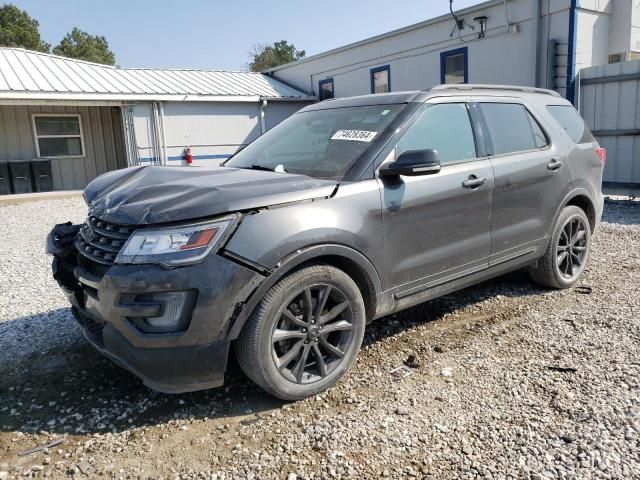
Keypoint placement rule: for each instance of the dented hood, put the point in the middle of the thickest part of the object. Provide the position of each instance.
(150, 195)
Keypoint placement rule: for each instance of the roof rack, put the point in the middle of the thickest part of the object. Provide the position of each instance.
(470, 86)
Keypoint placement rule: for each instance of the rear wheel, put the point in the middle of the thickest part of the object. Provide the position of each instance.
(568, 251)
(304, 334)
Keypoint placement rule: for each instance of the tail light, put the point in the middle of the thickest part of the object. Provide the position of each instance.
(602, 155)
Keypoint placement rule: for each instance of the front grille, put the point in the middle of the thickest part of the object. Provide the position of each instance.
(101, 241)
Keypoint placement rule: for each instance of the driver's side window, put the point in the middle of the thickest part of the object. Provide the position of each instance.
(444, 127)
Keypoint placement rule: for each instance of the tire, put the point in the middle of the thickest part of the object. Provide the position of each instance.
(272, 345)
(565, 258)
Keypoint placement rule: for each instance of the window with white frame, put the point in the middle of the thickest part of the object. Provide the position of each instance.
(58, 135)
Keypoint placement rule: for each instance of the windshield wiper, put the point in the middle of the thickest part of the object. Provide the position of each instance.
(278, 169)
(261, 167)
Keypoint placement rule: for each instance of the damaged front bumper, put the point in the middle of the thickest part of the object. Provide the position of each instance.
(167, 326)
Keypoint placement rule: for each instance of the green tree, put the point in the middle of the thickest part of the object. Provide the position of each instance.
(268, 56)
(18, 29)
(81, 45)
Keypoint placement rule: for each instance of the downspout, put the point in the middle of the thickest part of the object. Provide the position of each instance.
(154, 134)
(548, 84)
(163, 136)
(127, 135)
(537, 37)
(263, 111)
(571, 54)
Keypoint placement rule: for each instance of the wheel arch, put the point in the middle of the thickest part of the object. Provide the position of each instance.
(582, 201)
(352, 262)
(580, 198)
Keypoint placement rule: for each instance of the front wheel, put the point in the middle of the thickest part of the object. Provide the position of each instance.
(568, 251)
(304, 334)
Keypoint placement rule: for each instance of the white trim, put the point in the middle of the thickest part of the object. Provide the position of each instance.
(61, 102)
(134, 97)
(36, 136)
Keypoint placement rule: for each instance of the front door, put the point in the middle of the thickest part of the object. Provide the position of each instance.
(437, 226)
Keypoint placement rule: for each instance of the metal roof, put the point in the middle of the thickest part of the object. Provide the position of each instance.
(28, 75)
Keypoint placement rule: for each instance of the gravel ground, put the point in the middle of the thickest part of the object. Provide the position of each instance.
(509, 380)
(34, 314)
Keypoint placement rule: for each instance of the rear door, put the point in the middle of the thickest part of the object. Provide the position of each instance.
(531, 178)
(436, 227)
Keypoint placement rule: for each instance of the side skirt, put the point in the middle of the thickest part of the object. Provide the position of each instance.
(397, 304)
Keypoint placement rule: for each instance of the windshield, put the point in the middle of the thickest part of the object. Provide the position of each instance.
(318, 143)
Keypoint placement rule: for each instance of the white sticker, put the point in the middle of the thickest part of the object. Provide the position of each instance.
(356, 135)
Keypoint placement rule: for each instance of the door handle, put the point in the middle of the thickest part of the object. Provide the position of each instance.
(554, 164)
(473, 182)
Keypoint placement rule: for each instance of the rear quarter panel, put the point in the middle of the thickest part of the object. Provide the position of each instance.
(584, 166)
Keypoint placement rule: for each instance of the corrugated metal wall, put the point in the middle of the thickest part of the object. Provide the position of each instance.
(103, 142)
(610, 104)
(214, 130)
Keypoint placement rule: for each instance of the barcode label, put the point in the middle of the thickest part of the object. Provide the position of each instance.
(355, 135)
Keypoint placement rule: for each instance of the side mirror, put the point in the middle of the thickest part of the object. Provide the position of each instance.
(413, 163)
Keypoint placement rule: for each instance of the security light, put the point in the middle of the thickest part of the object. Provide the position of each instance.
(482, 20)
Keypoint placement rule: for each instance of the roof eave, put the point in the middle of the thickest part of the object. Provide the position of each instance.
(108, 97)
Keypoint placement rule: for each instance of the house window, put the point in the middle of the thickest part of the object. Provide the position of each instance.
(325, 89)
(58, 135)
(453, 66)
(381, 79)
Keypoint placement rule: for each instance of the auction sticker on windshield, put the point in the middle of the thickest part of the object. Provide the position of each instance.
(356, 135)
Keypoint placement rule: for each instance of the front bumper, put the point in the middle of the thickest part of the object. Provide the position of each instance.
(166, 370)
(110, 303)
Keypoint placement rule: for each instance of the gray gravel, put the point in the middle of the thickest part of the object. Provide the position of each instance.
(508, 381)
(34, 314)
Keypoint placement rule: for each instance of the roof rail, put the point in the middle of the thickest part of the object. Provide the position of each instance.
(470, 86)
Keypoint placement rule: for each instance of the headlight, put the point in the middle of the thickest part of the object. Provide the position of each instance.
(174, 246)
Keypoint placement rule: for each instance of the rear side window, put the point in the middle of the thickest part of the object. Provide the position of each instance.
(572, 123)
(443, 127)
(512, 128)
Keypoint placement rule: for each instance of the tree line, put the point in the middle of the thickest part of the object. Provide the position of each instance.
(19, 29)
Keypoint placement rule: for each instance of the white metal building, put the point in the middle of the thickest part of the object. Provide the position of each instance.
(537, 43)
(63, 121)
(541, 43)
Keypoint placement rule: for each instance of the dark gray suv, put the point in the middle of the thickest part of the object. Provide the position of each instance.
(348, 211)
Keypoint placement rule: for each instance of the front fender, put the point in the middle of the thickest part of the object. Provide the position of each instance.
(290, 263)
(347, 225)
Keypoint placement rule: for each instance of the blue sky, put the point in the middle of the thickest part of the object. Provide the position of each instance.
(218, 34)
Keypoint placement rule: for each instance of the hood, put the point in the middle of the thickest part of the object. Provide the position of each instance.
(150, 195)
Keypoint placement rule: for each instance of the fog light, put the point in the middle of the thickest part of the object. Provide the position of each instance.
(173, 304)
(175, 311)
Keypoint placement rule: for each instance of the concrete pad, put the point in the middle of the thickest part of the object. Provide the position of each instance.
(35, 196)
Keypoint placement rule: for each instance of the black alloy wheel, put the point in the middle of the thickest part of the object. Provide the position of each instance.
(305, 333)
(314, 331)
(572, 248)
